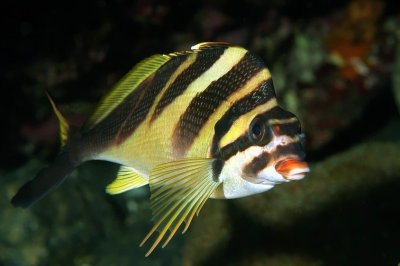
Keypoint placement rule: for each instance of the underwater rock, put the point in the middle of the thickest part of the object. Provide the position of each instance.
(20, 244)
(330, 71)
(78, 223)
(261, 259)
(396, 73)
(280, 227)
(208, 236)
(354, 171)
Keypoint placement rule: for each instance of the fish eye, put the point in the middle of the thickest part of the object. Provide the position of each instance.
(256, 130)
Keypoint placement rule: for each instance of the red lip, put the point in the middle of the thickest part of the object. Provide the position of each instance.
(292, 169)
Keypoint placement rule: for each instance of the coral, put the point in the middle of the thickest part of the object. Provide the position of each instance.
(351, 39)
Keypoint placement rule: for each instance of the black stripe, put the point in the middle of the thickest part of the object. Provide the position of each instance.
(216, 169)
(277, 113)
(127, 116)
(243, 142)
(256, 165)
(260, 96)
(240, 144)
(205, 104)
(204, 60)
(294, 148)
(291, 129)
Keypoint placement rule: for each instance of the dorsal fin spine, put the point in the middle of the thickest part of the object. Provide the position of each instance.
(62, 121)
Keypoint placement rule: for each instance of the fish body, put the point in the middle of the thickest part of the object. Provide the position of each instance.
(193, 125)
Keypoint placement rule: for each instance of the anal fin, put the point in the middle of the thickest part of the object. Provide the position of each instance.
(179, 190)
(127, 179)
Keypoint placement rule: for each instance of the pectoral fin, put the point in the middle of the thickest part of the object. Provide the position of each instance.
(127, 178)
(179, 190)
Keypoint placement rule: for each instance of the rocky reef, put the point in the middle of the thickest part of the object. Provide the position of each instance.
(343, 213)
(79, 224)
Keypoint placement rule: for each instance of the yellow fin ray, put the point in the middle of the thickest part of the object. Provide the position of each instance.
(172, 181)
(187, 208)
(125, 86)
(63, 123)
(178, 190)
(135, 77)
(127, 178)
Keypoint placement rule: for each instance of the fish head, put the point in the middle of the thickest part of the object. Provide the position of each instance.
(272, 153)
(281, 153)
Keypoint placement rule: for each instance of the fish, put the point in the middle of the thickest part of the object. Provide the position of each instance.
(193, 125)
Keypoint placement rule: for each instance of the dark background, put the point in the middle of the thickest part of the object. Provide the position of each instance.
(78, 50)
(104, 39)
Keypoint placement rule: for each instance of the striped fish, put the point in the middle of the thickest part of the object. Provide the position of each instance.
(193, 125)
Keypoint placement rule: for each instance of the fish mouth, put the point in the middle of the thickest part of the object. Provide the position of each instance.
(292, 168)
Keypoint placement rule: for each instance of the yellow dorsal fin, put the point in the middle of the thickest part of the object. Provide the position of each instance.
(179, 190)
(135, 77)
(63, 123)
(125, 86)
(127, 178)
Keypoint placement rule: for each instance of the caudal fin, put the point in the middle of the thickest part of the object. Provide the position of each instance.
(52, 176)
(63, 123)
(45, 181)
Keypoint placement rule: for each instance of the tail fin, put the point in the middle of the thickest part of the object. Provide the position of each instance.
(52, 176)
(45, 181)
